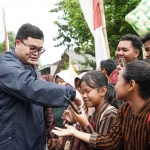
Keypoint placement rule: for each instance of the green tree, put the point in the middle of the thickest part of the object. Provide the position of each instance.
(73, 31)
(11, 39)
(115, 12)
(2, 48)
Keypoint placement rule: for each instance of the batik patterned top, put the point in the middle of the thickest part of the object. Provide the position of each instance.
(130, 131)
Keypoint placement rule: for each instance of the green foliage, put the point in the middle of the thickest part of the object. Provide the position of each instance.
(11, 39)
(66, 64)
(2, 48)
(73, 31)
(72, 27)
(115, 12)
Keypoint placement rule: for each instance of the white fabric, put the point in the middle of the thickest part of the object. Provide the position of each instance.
(68, 76)
(100, 48)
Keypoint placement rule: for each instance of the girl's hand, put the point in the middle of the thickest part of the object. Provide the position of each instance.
(81, 118)
(70, 130)
(60, 143)
(67, 115)
(53, 143)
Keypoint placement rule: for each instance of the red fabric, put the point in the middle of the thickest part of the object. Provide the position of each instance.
(92, 124)
(97, 15)
(113, 77)
(126, 111)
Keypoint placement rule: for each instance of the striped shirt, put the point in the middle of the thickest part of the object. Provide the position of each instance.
(102, 124)
(104, 120)
(129, 132)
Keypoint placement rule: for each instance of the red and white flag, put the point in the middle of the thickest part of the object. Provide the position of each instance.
(5, 32)
(91, 12)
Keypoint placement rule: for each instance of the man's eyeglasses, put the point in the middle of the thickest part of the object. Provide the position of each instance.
(34, 49)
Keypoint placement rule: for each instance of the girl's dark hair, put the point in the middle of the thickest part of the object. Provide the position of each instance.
(139, 71)
(96, 79)
(111, 96)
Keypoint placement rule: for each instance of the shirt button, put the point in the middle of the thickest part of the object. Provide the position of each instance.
(9, 138)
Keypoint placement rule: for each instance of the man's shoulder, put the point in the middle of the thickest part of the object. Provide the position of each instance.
(8, 56)
(9, 60)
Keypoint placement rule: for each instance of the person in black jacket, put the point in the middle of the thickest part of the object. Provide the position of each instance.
(23, 95)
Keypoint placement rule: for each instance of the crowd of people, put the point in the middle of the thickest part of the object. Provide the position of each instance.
(112, 103)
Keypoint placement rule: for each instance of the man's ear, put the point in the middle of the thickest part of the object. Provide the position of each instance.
(17, 42)
(137, 52)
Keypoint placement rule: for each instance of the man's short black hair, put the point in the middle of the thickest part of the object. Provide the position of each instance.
(29, 30)
(136, 41)
(146, 37)
(109, 65)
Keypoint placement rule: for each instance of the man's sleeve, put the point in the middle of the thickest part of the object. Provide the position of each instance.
(19, 83)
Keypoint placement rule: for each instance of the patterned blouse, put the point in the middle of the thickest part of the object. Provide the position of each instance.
(129, 132)
(104, 120)
(101, 124)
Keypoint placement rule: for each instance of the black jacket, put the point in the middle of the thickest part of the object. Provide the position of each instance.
(22, 98)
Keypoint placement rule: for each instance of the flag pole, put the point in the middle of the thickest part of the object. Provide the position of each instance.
(101, 5)
(5, 32)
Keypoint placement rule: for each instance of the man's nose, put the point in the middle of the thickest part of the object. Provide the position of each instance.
(120, 52)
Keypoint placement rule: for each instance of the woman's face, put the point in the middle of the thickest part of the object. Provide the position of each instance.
(121, 87)
(60, 81)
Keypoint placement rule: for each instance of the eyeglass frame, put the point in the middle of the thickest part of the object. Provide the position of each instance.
(31, 51)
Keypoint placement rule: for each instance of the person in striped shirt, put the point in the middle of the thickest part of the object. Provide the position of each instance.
(131, 129)
(94, 86)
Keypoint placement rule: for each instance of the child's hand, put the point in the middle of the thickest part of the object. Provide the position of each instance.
(81, 118)
(60, 143)
(52, 143)
(67, 115)
(70, 130)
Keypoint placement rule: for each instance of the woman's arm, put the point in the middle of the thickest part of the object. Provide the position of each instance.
(113, 140)
(72, 131)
